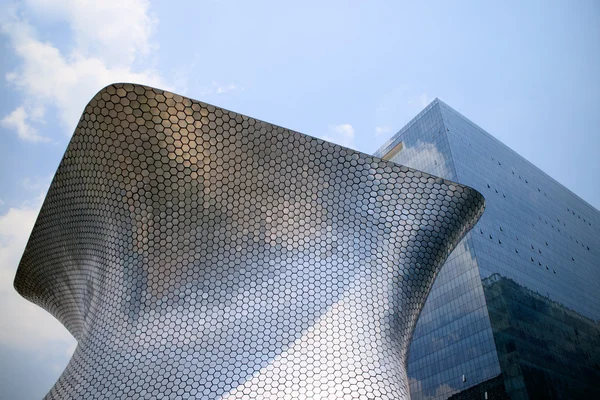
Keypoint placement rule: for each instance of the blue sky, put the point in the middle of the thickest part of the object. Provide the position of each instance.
(350, 71)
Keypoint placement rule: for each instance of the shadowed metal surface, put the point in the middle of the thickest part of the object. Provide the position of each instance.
(196, 252)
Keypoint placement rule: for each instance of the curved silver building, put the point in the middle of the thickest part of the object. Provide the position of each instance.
(197, 253)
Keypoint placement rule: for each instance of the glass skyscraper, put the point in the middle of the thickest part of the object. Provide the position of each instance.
(515, 311)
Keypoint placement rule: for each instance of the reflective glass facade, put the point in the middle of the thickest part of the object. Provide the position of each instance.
(515, 310)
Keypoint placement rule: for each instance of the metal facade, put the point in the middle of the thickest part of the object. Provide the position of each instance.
(197, 253)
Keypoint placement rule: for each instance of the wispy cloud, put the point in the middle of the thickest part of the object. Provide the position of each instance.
(19, 120)
(412, 156)
(382, 130)
(225, 89)
(116, 32)
(38, 185)
(340, 134)
(424, 99)
(24, 318)
(218, 88)
(110, 38)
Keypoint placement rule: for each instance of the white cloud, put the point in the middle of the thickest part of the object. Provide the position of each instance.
(110, 38)
(39, 185)
(117, 32)
(340, 134)
(424, 99)
(420, 156)
(217, 88)
(225, 89)
(19, 121)
(382, 130)
(21, 320)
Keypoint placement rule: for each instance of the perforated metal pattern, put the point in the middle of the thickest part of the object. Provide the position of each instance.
(198, 253)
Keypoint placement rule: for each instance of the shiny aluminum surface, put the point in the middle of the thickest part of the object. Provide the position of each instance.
(197, 253)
